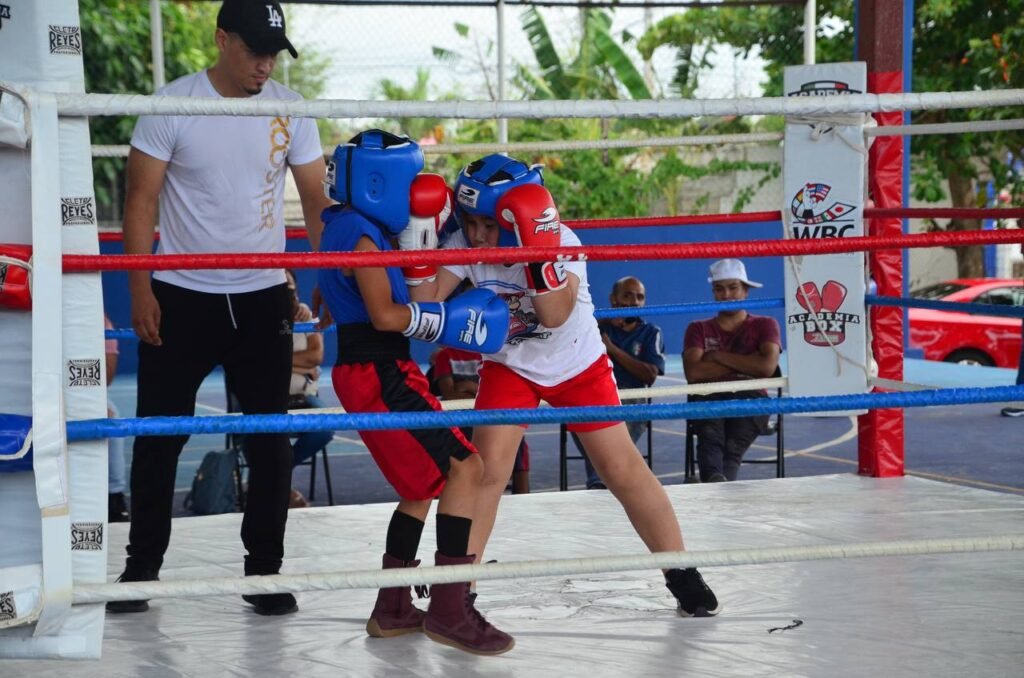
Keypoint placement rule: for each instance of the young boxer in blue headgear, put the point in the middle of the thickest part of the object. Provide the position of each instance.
(375, 178)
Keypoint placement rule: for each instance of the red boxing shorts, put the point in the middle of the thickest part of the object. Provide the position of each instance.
(501, 388)
(415, 462)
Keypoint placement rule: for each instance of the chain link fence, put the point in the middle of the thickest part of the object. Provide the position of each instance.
(364, 45)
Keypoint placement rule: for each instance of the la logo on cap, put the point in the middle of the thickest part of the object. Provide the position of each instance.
(274, 17)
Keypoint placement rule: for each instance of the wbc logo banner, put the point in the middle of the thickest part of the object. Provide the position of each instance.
(823, 198)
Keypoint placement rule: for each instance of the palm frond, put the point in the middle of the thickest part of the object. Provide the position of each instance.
(544, 51)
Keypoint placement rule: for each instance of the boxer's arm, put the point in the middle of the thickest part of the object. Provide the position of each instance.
(554, 308)
(438, 289)
(375, 288)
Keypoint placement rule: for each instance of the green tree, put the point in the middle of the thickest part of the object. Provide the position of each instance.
(964, 45)
(958, 45)
(596, 65)
(600, 68)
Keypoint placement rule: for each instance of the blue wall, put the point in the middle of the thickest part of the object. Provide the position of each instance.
(667, 282)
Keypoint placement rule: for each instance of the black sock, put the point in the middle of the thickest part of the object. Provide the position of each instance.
(453, 535)
(404, 533)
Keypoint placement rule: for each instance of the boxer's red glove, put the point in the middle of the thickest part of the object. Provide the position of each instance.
(529, 211)
(430, 205)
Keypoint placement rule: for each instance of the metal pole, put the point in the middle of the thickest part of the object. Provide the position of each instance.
(156, 41)
(502, 122)
(810, 23)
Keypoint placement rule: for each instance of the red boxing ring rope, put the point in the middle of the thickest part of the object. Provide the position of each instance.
(510, 255)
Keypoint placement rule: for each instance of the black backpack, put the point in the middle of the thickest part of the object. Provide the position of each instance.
(214, 488)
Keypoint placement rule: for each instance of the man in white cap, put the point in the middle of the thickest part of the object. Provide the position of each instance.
(732, 346)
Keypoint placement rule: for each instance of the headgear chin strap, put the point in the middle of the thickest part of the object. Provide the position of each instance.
(372, 174)
(482, 183)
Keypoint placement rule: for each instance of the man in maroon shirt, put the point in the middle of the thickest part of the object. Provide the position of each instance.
(732, 346)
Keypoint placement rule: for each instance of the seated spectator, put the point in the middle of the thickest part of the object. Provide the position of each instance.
(117, 479)
(454, 375)
(307, 355)
(732, 346)
(637, 351)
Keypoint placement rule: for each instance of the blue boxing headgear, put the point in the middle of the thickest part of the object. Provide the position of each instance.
(482, 183)
(373, 173)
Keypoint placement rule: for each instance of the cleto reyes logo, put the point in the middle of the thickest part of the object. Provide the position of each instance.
(823, 324)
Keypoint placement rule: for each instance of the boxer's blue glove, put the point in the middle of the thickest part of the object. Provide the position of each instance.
(476, 320)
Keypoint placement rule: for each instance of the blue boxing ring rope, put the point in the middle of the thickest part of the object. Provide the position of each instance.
(90, 429)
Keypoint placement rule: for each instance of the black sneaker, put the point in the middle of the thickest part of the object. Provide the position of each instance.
(1012, 412)
(695, 598)
(717, 478)
(132, 574)
(272, 604)
(117, 509)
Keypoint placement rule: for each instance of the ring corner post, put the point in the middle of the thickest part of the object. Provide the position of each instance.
(880, 43)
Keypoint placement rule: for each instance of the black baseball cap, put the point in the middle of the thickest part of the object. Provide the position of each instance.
(260, 24)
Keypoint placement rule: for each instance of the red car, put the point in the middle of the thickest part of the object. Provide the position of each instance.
(964, 338)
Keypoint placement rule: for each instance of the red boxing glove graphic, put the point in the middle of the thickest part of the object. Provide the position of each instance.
(832, 296)
(809, 298)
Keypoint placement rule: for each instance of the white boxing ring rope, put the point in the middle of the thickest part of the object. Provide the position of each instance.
(624, 393)
(121, 150)
(373, 579)
(663, 391)
(91, 105)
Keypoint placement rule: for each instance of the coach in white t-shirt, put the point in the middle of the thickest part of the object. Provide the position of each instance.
(217, 184)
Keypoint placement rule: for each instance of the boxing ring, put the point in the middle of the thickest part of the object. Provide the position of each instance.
(932, 614)
(845, 575)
